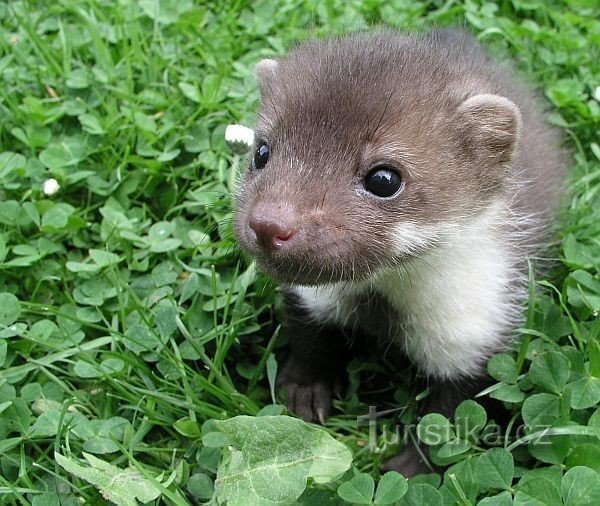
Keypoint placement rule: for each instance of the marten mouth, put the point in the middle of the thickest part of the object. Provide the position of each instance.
(312, 272)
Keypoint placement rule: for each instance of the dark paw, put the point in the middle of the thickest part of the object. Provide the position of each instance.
(308, 394)
(408, 463)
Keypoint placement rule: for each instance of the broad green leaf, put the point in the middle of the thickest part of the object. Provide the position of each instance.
(495, 469)
(200, 486)
(551, 449)
(540, 410)
(164, 246)
(578, 254)
(270, 458)
(164, 274)
(421, 494)
(319, 497)
(10, 211)
(508, 393)
(189, 288)
(199, 238)
(501, 499)
(167, 156)
(594, 420)
(91, 124)
(140, 338)
(57, 216)
(87, 370)
(271, 410)
(121, 486)
(34, 135)
(10, 309)
(4, 406)
(46, 499)
(469, 418)
(144, 122)
(165, 11)
(453, 447)
(3, 351)
(16, 329)
(166, 320)
(100, 445)
(3, 248)
(78, 79)
(103, 258)
(82, 267)
(537, 492)
(583, 289)
(112, 365)
(187, 428)
(43, 330)
(434, 429)
(503, 368)
(89, 314)
(191, 91)
(586, 454)
(47, 424)
(11, 162)
(160, 231)
(581, 487)
(584, 393)
(550, 371)
(59, 157)
(24, 250)
(459, 482)
(594, 352)
(391, 487)
(214, 439)
(41, 405)
(358, 490)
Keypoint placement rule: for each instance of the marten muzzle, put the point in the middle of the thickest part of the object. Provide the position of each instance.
(273, 228)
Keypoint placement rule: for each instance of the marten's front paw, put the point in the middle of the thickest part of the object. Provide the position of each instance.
(308, 393)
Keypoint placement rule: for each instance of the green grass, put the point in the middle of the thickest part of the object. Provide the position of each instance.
(128, 319)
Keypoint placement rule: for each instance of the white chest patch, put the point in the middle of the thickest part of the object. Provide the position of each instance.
(333, 303)
(455, 305)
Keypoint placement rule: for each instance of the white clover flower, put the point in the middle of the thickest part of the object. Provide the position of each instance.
(239, 138)
(50, 187)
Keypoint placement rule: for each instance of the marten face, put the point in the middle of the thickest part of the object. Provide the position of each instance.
(369, 151)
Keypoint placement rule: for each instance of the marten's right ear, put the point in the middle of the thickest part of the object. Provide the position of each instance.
(265, 72)
(493, 125)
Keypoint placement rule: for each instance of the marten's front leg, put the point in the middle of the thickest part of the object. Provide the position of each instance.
(315, 368)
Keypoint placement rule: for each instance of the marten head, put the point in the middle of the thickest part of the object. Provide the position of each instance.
(370, 150)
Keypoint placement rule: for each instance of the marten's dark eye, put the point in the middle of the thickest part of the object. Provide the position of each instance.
(261, 156)
(383, 181)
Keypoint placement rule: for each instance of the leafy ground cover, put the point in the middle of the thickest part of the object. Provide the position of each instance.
(134, 341)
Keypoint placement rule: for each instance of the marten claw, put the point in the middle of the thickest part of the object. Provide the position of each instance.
(309, 390)
(321, 416)
(311, 402)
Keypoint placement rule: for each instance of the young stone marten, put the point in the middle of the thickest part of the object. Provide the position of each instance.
(397, 187)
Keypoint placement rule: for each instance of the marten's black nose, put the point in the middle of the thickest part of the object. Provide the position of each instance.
(273, 230)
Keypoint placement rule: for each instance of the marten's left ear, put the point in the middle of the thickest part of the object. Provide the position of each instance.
(493, 126)
(265, 72)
